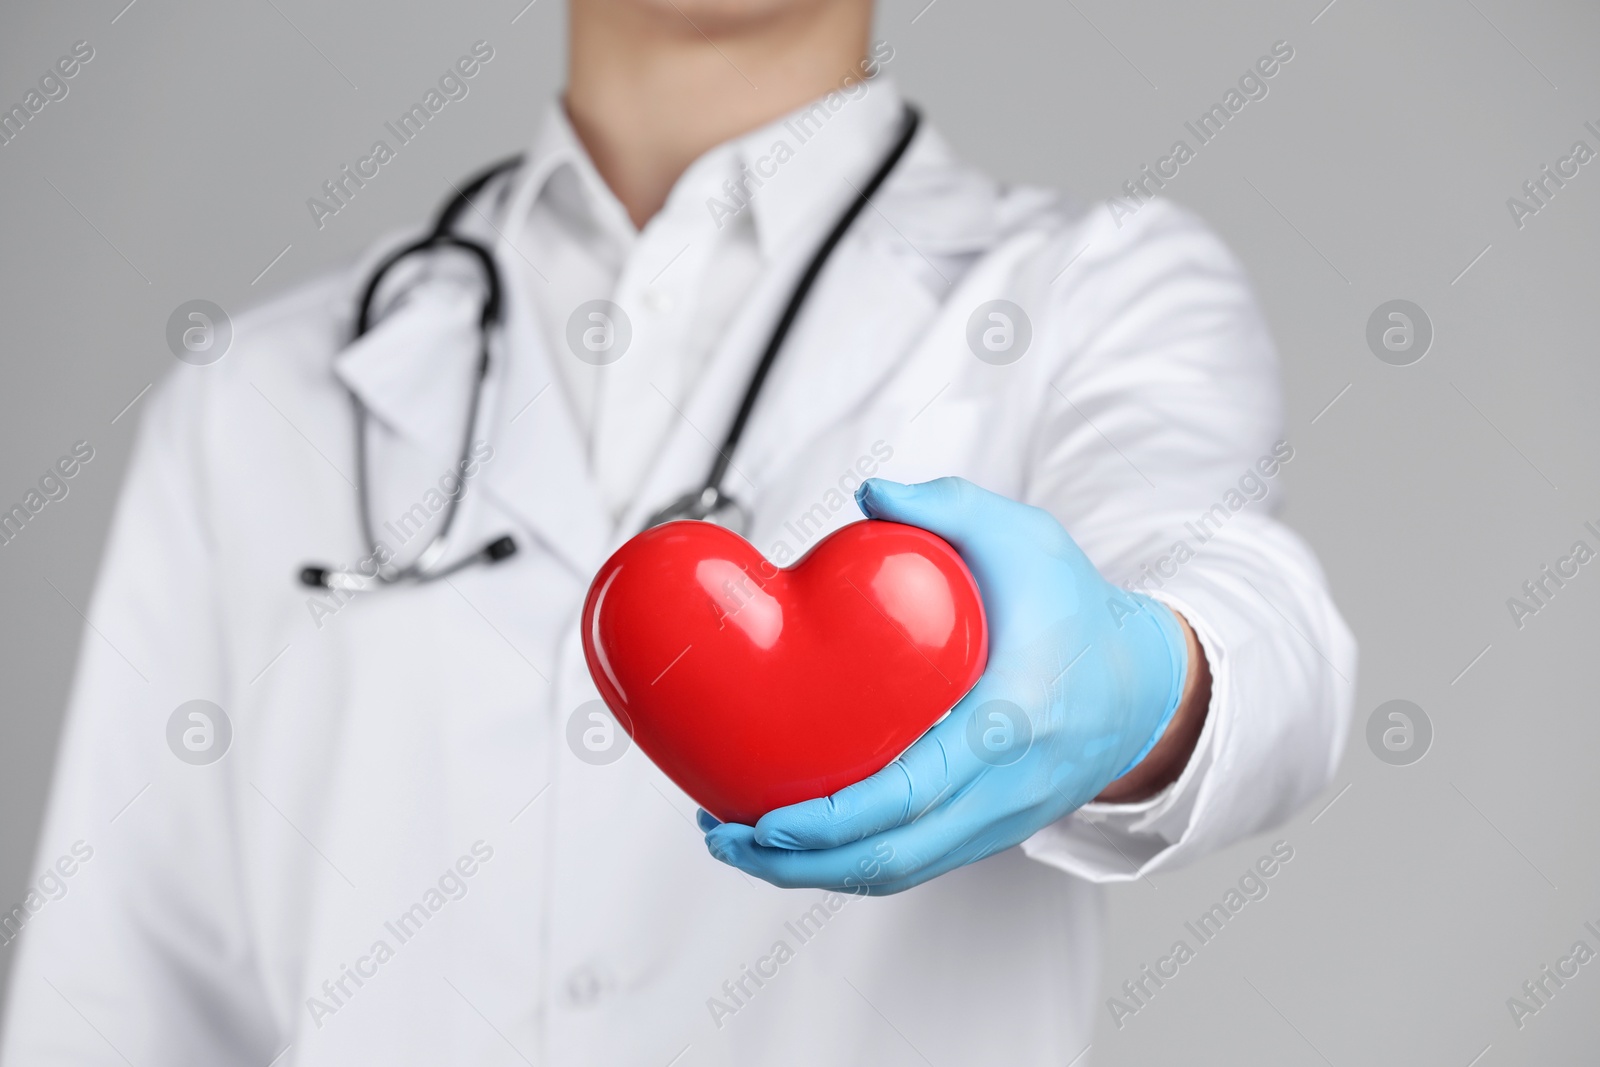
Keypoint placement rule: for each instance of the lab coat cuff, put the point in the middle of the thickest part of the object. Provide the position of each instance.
(1121, 842)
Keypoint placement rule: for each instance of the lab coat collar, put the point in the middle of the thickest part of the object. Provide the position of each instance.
(539, 473)
(412, 371)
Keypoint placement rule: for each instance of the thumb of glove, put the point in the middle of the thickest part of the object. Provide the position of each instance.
(953, 508)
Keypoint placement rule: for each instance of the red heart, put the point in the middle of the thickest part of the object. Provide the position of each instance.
(754, 686)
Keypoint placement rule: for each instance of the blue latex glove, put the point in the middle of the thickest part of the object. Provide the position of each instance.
(1083, 677)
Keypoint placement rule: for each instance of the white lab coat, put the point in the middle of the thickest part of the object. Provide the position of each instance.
(377, 747)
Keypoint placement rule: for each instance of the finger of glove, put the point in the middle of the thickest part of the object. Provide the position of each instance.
(998, 538)
(932, 770)
(902, 857)
(976, 848)
(705, 820)
(858, 864)
(735, 845)
(953, 508)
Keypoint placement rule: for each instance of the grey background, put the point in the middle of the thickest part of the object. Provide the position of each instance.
(1377, 168)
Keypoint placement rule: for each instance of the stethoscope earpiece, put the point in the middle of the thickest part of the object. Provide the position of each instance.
(320, 577)
(499, 549)
(315, 577)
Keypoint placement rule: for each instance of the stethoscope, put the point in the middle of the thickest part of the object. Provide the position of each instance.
(710, 503)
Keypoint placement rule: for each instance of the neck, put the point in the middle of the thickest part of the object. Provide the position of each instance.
(649, 92)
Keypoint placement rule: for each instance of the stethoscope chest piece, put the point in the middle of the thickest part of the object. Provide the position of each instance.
(709, 504)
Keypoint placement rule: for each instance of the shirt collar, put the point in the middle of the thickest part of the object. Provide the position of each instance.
(558, 166)
(798, 172)
(788, 175)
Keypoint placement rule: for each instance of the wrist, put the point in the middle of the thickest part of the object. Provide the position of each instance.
(1173, 741)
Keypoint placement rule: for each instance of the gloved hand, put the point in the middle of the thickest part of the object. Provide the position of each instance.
(1083, 677)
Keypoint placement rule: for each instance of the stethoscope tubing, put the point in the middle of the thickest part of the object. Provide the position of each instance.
(706, 502)
(489, 316)
(710, 497)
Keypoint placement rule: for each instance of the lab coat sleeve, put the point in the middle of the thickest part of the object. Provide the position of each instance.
(1160, 447)
(144, 956)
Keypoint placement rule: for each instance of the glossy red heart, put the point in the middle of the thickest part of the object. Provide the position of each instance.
(753, 686)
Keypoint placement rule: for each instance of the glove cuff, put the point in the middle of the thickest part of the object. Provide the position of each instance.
(1169, 632)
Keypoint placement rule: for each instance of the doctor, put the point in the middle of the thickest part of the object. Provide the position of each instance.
(313, 826)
